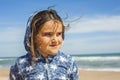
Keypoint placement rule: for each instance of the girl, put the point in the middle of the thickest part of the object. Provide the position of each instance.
(43, 61)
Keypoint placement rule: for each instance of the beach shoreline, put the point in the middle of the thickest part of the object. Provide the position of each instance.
(83, 74)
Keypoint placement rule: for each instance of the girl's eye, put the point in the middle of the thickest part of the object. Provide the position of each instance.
(48, 34)
(59, 34)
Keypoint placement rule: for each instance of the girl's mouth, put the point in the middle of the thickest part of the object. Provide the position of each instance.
(53, 45)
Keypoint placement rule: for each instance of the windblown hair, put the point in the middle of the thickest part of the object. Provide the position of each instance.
(36, 24)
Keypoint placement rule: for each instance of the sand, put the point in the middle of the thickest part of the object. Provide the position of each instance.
(98, 75)
(83, 75)
(4, 74)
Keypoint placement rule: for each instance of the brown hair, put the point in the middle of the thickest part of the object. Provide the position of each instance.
(36, 24)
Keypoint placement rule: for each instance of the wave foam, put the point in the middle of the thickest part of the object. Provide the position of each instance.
(105, 69)
(97, 58)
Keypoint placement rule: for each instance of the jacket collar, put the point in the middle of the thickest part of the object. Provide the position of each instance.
(40, 58)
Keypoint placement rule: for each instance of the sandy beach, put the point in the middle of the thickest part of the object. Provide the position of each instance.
(4, 73)
(98, 75)
(84, 75)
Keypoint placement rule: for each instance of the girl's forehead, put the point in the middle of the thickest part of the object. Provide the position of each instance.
(52, 25)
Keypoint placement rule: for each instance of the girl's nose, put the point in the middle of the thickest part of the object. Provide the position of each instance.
(54, 38)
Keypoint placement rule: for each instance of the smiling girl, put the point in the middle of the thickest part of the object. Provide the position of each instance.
(43, 61)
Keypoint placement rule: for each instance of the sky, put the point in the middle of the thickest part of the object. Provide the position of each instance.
(94, 25)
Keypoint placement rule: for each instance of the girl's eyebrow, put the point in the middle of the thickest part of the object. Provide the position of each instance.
(52, 32)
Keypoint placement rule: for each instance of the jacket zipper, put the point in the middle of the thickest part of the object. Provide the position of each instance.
(47, 69)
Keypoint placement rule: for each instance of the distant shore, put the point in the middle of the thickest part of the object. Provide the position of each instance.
(83, 75)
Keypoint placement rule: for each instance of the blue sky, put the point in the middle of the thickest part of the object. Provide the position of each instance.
(97, 30)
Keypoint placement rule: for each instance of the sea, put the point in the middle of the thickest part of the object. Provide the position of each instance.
(100, 62)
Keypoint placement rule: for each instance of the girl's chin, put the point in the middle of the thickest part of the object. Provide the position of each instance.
(53, 52)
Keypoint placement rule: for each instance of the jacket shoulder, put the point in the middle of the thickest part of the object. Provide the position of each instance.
(65, 56)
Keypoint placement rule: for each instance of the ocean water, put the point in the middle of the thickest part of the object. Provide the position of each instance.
(102, 62)
(6, 62)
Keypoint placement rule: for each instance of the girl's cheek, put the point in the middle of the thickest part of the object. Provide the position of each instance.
(38, 42)
(60, 40)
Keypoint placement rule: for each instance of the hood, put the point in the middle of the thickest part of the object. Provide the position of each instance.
(28, 33)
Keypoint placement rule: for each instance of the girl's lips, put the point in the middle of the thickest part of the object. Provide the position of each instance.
(53, 45)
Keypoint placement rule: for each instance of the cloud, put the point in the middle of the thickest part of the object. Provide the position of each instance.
(96, 24)
(11, 34)
(98, 44)
(99, 34)
(11, 41)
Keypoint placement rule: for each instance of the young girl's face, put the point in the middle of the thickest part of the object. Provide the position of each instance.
(49, 39)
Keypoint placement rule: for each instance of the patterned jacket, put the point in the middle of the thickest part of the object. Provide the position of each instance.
(58, 67)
